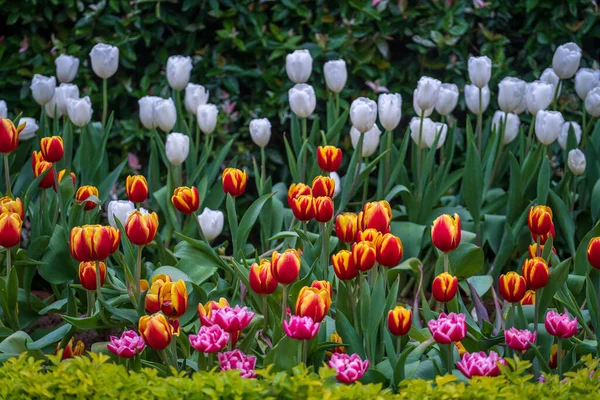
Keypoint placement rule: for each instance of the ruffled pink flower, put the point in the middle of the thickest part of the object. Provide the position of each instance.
(209, 339)
(232, 319)
(519, 339)
(480, 364)
(560, 325)
(349, 368)
(301, 328)
(448, 328)
(128, 345)
(237, 360)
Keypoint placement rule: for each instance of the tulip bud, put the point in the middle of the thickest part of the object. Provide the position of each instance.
(119, 210)
(472, 98)
(211, 223)
(370, 234)
(83, 193)
(298, 66)
(165, 114)
(186, 199)
(529, 298)
(512, 287)
(313, 303)
(70, 350)
(364, 255)
(444, 287)
(153, 302)
(136, 188)
(42, 88)
(87, 274)
(441, 131)
(549, 76)
(51, 108)
(39, 166)
(174, 299)
(425, 129)
(535, 272)
(52, 148)
(566, 60)
(446, 232)
(418, 111)
(296, 190)
(323, 208)
(548, 125)
(195, 96)
(61, 174)
(329, 158)
(336, 75)
(585, 80)
(560, 325)
(511, 92)
(343, 265)
(576, 162)
(302, 100)
(234, 181)
(363, 113)
(105, 60)
(593, 252)
(30, 128)
(285, 266)
(539, 95)
(389, 250)
(66, 68)
(9, 136)
(303, 207)
(346, 227)
(480, 70)
(260, 131)
(399, 321)
(261, 279)
(427, 92)
(79, 111)
(207, 118)
(592, 102)
(389, 107)
(511, 125)
(540, 220)
(141, 228)
(564, 133)
(3, 109)
(8, 205)
(178, 71)
(93, 242)
(10, 229)
(323, 186)
(447, 98)
(370, 140)
(177, 148)
(376, 215)
(156, 331)
(61, 95)
(147, 104)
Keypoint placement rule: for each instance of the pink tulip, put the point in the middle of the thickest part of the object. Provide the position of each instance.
(232, 319)
(301, 328)
(519, 339)
(237, 360)
(209, 339)
(480, 364)
(349, 368)
(560, 325)
(448, 328)
(128, 345)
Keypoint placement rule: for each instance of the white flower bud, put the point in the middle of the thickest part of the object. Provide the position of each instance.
(211, 223)
(105, 60)
(370, 140)
(565, 61)
(549, 76)
(79, 111)
(165, 115)
(3, 109)
(563, 136)
(179, 69)
(539, 95)
(472, 98)
(147, 104)
(260, 131)
(195, 96)
(66, 68)
(480, 71)
(428, 131)
(336, 75)
(298, 66)
(427, 92)
(417, 109)
(337, 188)
(62, 93)
(585, 80)
(447, 99)
(51, 107)
(302, 100)
(592, 102)
(441, 130)
(206, 115)
(363, 114)
(548, 125)
(576, 162)
(30, 128)
(389, 107)
(42, 88)
(177, 148)
(511, 92)
(511, 125)
(119, 209)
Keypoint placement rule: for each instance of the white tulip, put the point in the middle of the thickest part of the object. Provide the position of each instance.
(576, 162)
(298, 66)
(79, 111)
(302, 100)
(62, 93)
(165, 114)
(207, 118)
(370, 140)
(195, 95)
(539, 95)
(177, 148)
(472, 98)
(211, 223)
(480, 71)
(548, 125)
(441, 130)
(427, 92)
(417, 109)
(428, 131)
(511, 125)
(179, 69)
(447, 99)
(336, 75)
(363, 114)
(66, 68)
(585, 80)
(389, 107)
(549, 76)
(511, 92)
(30, 128)
(3, 109)
(42, 88)
(147, 104)
(565, 61)
(119, 210)
(592, 102)
(260, 131)
(51, 107)
(563, 136)
(337, 187)
(105, 60)
(523, 105)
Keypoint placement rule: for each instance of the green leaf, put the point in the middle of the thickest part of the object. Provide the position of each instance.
(473, 182)
(59, 267)
(543, 183)
(466, 260)
(349, 335)
(558, 277)
(565, 221)
(249, 218)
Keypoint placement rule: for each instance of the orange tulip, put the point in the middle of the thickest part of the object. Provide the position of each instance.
(52, 148)
(141, 228)
(323, 186)
(9, 135)
(461, 349)
(303, 207)
(174, 299)
(205, 311)
(70, 350)
(10, 229)
(322, 285)
(346, 226)
(60, 176)
(136, 188)
(285, 266)
(87, 274)
(335, 338)
(234, 181)
(399, 321)
(313, 303)
(323, 209)
(329, 158)
(343, 265)
(371, 234)
(529, 298)
(445, 232)
(389, 250)
(364, 255)
(376, 215)
(82, 195)
(540, 220)
(535, 272)
(261, 278)
(512, 287)
(444, 287)
(156, 331)
(593, 252)
(296, 190)
(39, 166)
(153, 301)
(94, 242)
(7, 204)
(186, 199)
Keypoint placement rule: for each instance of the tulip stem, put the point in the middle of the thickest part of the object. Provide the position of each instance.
(263, 168)
(512, 315)
(138, 274)
(304, 138)
(530, 135)
(305, 351)
(555, 97)
(352, 295)
(174, 351)
(98, 284)
(284, 303)
(300, 351)
(104, 103)
(559, 356)
(90, 303)
(325, 250)
(337, 106)
(537, 311)
(450, 356)
(8, 264)
(446, 262)
(357, 173)
(365, 184)
(422, 116)
(200, 232)
(388, 156)
(265, 314)
(7, 175)
(59, 206)
(480, 122)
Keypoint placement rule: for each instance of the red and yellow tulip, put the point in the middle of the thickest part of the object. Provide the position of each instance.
(540, 220)
(535, 272)
(141, 228)
(285, 266)
(512, 287)
(389, 250)
(136, 188)
(323, 209)
(343, 265)
(174, 299)
(82, 195)
(329, 158)
(346, 227)
(399, 321)
(323, 186)
(261, 278)
(313, 303)
(364, 255)
(52, 148)
(376, 215)
(186, 199)
(10, 229)
(234, 181)
(156, 331)
(296, 190)
(444, 287)
(87, 274)
(9, 135)
(446, 232)
(303, 207)
(93, 242)
(7, 204)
